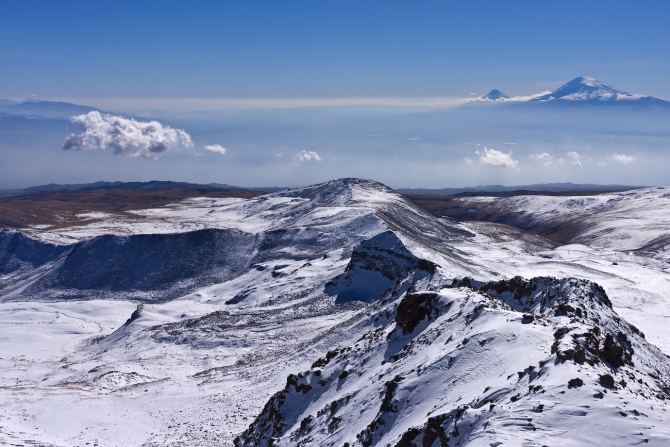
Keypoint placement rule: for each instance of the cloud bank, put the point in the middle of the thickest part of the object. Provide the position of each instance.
(128, 137)
(216, 148)
(500, 159)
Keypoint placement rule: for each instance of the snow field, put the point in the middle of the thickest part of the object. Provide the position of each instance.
(199, 367)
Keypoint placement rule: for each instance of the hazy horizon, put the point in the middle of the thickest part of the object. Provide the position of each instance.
(284, 95)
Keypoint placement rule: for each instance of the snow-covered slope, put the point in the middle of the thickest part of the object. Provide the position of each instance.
(637, 220)
(178, 326)
(580, 89)
(541, 362)
(205, 241)
(584, 88)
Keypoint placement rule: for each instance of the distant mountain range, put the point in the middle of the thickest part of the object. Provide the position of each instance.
(157, 185)
(44, 109)
(580, 89)
(152, 185)
(542, 187)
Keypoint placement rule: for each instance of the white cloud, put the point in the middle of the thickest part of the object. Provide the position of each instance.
(544, 158)
(575, 157)
(468, 160)
(216, 148)
(623, 159)
(128, 137)
(500, 159)
(308, 156)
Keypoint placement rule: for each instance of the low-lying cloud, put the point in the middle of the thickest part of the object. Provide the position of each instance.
(128, 137)
(623, 159)
(544, 158)
(500, 159)
(575, 158)
(216, 148)
(308, 156)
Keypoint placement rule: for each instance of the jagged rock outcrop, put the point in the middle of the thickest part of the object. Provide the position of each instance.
(375, 266)
(477, 363)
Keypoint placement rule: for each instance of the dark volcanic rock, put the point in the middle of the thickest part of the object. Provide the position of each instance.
(414, 308)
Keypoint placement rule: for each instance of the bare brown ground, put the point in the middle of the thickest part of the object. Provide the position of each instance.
(59, 209)
(560, 231)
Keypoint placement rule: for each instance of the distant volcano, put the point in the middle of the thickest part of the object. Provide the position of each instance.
(585, 88)
(494, 95)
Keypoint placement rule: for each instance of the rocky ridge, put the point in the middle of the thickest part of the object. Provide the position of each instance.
(468, 363)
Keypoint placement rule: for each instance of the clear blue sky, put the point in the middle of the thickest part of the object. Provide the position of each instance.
(151, 49)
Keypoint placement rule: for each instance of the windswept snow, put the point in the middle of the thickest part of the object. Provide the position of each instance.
(178, 326)
(637, 220)
(523, 363)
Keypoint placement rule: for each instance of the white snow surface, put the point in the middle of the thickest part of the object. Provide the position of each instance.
(195, 361)
(472, 371)
(264, 213)
(625, 221)
(582, 88)
(585, 88)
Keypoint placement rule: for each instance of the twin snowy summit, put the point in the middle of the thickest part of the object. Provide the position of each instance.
(582, 89)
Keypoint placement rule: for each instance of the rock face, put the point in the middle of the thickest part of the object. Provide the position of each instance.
(414, 308)
(376, 265)
(19, 253)
(464, 362)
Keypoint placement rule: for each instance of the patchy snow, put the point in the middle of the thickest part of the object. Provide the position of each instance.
(94, 215)
(625, 221)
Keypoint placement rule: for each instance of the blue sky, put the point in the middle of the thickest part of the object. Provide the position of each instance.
(355, 83)
(155, 49)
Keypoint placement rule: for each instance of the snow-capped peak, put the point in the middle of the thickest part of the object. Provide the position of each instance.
(584, 88)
